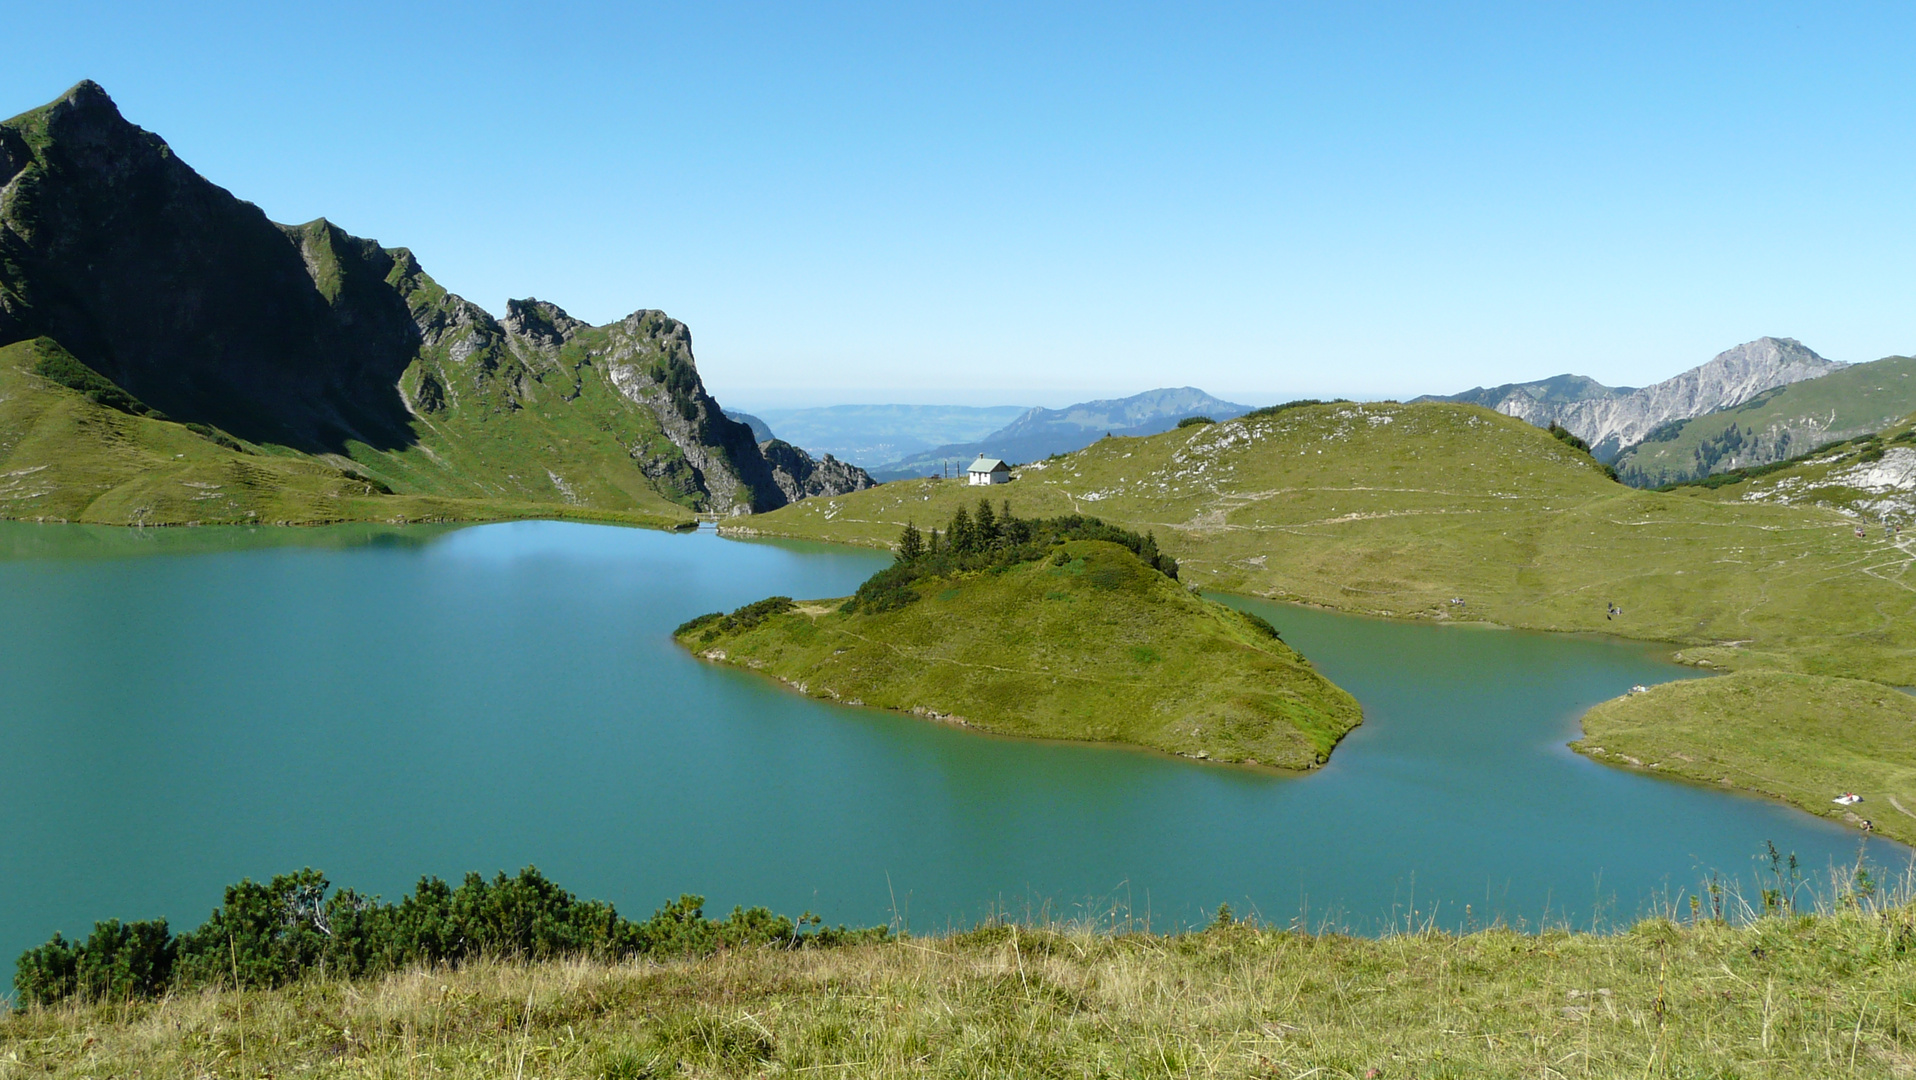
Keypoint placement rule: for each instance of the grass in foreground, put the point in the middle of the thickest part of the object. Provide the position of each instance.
(1803, 739)
(1786, 996)
(1085, 641)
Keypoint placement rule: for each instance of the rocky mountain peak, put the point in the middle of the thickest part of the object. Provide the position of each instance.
(84, 128)
(87, 96)
(1733, 376)
(544, 324)
(652, 323)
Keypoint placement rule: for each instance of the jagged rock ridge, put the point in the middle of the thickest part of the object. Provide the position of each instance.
(309, 338)
(1612, 419)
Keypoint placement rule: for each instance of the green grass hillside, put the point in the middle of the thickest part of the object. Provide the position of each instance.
(1398, 510)
(1776, 425)
(1086, 642)
(75, 448)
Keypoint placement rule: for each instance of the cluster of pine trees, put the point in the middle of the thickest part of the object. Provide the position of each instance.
(986, 539)
(293, 926)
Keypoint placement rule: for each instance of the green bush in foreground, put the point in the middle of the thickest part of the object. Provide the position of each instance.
(272, 934)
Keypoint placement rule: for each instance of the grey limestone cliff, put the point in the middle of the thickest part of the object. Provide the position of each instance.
(1611, 420)
(800, 477)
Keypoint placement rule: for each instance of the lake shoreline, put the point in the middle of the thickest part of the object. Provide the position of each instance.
(509, 693)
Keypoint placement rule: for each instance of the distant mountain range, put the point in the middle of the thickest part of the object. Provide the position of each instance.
(1039, 433)
(872, 435)
(160, 294)
(1614, 419)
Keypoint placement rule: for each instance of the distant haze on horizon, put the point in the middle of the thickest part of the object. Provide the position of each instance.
(1009, 204)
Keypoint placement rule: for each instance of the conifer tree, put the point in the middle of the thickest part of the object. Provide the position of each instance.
(911, 545)
(959, 533)
(987, 526)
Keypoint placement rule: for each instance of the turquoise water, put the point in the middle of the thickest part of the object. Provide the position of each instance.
(183, 708)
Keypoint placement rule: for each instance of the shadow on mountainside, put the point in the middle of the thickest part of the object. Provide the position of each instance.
(189, 298)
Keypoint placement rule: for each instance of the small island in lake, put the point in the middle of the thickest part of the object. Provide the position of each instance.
(1059, 628)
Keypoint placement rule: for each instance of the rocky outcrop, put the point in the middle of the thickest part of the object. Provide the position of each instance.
(761, 430)
(1614, 420)
(312, 339)
(648, 357)
(800, 477)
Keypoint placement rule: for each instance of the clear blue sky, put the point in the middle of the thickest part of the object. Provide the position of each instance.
(1039, 203)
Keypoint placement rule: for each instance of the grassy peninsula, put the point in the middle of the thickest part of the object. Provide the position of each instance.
(1800, 738)
(1060, 628)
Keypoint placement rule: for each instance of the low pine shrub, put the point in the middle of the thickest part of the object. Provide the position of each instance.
(295, 925)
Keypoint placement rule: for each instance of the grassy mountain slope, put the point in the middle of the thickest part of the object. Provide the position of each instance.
(1803, 739)
(1776, 424)
(1399, 509)
(1088, 643)
(65, 456)
(1788, 996)
(304, 340)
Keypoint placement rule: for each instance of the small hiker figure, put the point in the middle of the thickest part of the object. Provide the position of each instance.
(1859, 532)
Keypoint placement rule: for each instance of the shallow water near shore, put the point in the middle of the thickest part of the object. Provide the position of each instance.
(189, 707)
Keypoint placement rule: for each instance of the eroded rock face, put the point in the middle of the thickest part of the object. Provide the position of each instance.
(648, 357)
(1880, 490)
(799, 476)
(1610, 424)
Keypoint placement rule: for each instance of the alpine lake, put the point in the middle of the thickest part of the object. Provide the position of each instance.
(182, 708)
